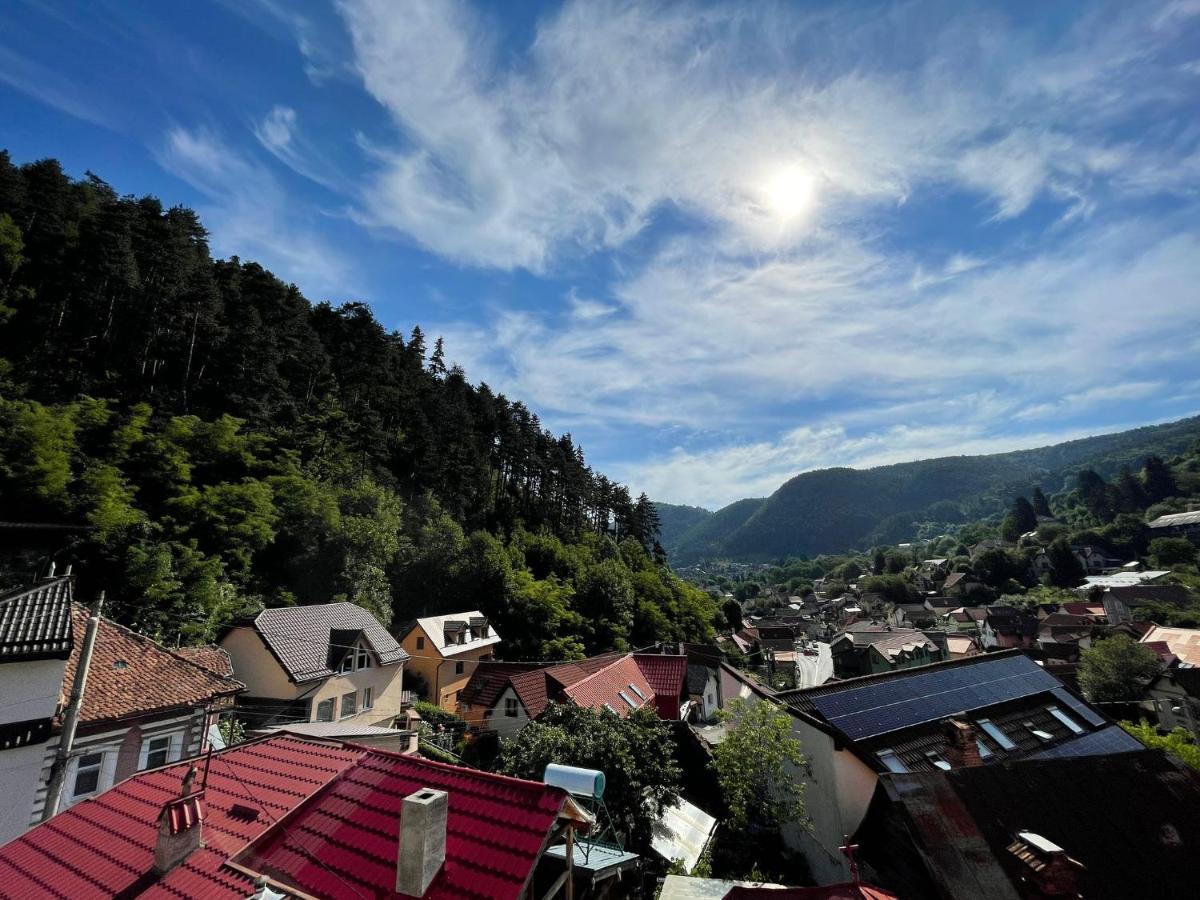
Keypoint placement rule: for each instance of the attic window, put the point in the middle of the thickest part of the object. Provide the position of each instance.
(985, 751)
(1043, 736)
(936, 758)
(633, 687)
(624, 696)
(610, 709)
(996, 734)
(892, 761)
(1065, 719)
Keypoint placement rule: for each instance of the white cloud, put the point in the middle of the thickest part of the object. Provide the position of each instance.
(250, 215)
(279, 133)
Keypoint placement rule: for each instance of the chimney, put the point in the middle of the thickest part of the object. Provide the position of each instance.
(180, 831)
(422, 841)
(963, 749)
(1046, 867)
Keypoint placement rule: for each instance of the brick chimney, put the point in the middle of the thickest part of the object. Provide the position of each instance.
(180, 830)
(963, 749)
(1045, 866)
(422, 841)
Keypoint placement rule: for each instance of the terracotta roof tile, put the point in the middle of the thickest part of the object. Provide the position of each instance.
(603, 688)
(132, 675)
(209, 657)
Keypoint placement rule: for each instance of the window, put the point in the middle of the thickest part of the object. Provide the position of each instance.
(420, 643)
(624, 696)
(459, 668)
(892, 761)
(985, 752)
(364, 659)
(937, 760)
(1043, 736)
(325, 711)
(349, 704)
(156, 752)
(610, 709)
(1065, 719)
(996, 734)
(368, 698)
(348, 662)
(510, 707)
(633, 687)
(87, 775)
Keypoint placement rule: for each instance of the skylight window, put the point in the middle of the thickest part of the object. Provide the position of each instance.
(610, 709)
(985, 752)
(633, 687)
(1065, 719)
(1043, 736)
(996, 734)
(624, 696)
(936, 758)
(892, 761)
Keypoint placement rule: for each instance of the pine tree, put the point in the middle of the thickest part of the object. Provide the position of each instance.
(1158, 479)
(1041, 505)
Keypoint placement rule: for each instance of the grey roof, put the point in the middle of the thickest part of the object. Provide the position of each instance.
(299, 636)
(35, 621)
(1183, 518)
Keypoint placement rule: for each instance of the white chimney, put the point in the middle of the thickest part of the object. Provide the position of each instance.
(422, 841)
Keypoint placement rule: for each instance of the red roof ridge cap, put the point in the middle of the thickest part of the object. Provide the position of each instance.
(582, 681)
(437, 764)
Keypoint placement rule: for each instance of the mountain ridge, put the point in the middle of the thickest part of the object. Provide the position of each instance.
(836, 509)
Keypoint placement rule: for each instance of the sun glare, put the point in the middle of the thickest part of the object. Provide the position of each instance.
(790, 193)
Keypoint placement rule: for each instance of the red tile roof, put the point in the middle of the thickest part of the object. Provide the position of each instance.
(131, 675)
(604, 688)
(495, 831)
(210, 657)
(489, 681)
(537, 688)
(105, 846)
(667, 675)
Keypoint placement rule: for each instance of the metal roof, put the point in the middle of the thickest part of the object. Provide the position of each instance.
(299, 636)
(35, 621)
(1183, 518)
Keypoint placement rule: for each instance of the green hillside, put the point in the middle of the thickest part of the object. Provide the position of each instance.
(831, 510)
(675, 521)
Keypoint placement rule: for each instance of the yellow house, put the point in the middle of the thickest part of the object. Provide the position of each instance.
(331, 662)
(444, 650)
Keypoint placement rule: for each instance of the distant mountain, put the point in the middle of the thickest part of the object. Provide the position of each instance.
(832, 510)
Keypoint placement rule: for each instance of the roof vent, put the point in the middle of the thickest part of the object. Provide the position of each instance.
(422, 849)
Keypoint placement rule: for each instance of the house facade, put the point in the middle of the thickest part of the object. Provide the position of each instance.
(144, 706)
(444, 651)
(330, 662)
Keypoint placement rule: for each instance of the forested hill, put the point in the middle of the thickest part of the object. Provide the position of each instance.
(834, 510)
(225, 444)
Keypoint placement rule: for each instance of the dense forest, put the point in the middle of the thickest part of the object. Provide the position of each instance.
(832, 510)
(219, 443)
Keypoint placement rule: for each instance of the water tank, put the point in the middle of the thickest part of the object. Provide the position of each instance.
(580, 782)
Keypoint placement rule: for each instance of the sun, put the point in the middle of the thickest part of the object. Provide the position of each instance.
(789, 194)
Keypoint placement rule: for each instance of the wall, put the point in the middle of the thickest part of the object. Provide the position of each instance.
(386, 682)
(256, 667)
(18, 787)
(507, 726)
(30, 690)
(438, 671)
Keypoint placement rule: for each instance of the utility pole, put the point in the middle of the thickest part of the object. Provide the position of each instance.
(58, 771)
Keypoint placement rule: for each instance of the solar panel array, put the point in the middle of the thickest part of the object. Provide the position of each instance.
(1113, 739)
(891, 704)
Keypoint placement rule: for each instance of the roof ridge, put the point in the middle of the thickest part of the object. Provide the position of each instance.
(525, 783)
(600, 671)
(900, 673)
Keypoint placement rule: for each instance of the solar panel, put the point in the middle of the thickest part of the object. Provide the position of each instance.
(872, 709)
(1113, 739)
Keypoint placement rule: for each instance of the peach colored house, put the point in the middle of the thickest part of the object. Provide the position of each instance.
(445, 650)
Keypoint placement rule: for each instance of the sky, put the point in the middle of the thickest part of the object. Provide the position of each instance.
(718, 243)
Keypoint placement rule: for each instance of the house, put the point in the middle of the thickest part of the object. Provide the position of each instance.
(1185, 524)
(144, 705)
(619, 683)
(1183, 642)
(329, 662)
(289, 817)
(1120, 601)
(1030, 829)
(1065, 628)
(962, 584)
(965, 618)
(489, 680)
(959, 646)
(989, 709)
(1005, 627)
(880, 649)
(1175, 696)
(1093, 560)
(444, 651)
(911, 614)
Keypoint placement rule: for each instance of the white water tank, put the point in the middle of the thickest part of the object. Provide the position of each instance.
(574, 780)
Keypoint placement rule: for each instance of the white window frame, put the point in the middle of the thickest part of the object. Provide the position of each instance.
(994, 731)
(353, 696)
(174, 746)
(79, 769)
(368, 698)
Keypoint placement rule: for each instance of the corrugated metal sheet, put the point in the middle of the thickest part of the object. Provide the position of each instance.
(35, 621)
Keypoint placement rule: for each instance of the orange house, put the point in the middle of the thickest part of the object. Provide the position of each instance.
(444, 651)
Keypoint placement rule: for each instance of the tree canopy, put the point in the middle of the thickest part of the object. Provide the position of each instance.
(1116, 668)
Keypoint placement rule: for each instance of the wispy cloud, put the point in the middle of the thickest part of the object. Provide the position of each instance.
(279, 133)
(250, 215)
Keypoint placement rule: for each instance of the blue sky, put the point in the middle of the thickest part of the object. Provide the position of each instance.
(718, 243)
